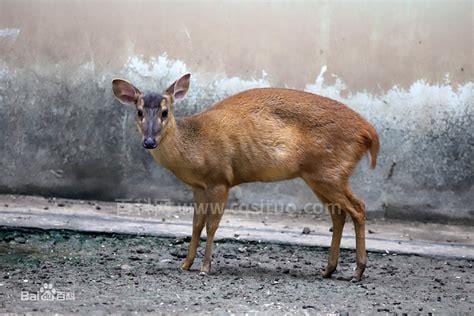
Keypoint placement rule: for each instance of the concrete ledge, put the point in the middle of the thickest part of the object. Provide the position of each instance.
(390, 237)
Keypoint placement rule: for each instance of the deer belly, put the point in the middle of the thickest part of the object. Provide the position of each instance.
(272, 162)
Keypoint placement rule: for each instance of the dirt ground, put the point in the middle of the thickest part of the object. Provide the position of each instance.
(112, 273)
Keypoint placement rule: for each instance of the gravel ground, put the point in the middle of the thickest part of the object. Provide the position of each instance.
(110, 273)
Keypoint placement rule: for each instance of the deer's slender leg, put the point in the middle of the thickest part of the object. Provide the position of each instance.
(216, 198)
(338, 217)
(199, 220)
(358, 217)
(343, 200)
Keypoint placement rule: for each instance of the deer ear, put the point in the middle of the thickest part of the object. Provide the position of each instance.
(125, 92)
(179, 88)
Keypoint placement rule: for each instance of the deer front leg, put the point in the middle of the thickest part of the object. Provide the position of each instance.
(199, 220)
(216, 200)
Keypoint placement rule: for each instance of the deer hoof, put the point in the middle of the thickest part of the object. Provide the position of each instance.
(357, 277)
(186, 265)
(327, 272)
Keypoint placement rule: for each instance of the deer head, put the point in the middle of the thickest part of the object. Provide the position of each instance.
(154, 110)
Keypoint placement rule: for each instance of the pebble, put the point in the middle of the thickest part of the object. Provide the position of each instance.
(142, 249)
(242, 249)
(308, 307)
(245, 265)
(178, 254)
(20, 240)
(178, 241)
(229, 256)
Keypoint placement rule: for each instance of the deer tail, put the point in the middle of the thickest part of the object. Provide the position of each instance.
(373, 145)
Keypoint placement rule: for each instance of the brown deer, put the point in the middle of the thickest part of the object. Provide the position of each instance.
(267, 134)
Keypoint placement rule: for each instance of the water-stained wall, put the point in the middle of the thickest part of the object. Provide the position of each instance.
(405, 65)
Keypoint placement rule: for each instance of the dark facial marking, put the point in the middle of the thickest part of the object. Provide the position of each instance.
(152, 100)
(151, 109)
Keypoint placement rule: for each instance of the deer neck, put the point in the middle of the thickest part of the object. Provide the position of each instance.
(172, 149)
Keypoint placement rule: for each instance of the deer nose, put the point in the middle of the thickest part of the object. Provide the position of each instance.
(149, 143)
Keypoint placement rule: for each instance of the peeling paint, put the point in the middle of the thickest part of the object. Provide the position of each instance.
(10, 33)
(187, 33)
(158, 73)
(414, 108)
(421, 107)
(137, 68)
(3, 72)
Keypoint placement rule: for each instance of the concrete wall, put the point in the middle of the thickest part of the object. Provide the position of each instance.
(405, 65)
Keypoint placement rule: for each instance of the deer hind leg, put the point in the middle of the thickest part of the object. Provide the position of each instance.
(342, 201)
(358, 217)
(338, 217)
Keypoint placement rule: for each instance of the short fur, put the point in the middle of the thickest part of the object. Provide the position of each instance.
(268, 134)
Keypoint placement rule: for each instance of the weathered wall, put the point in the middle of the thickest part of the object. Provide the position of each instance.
(405, 65)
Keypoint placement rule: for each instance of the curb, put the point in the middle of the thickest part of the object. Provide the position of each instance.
(107, 223)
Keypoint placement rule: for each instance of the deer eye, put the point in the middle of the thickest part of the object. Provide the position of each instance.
(140, 113)
(164, 114)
